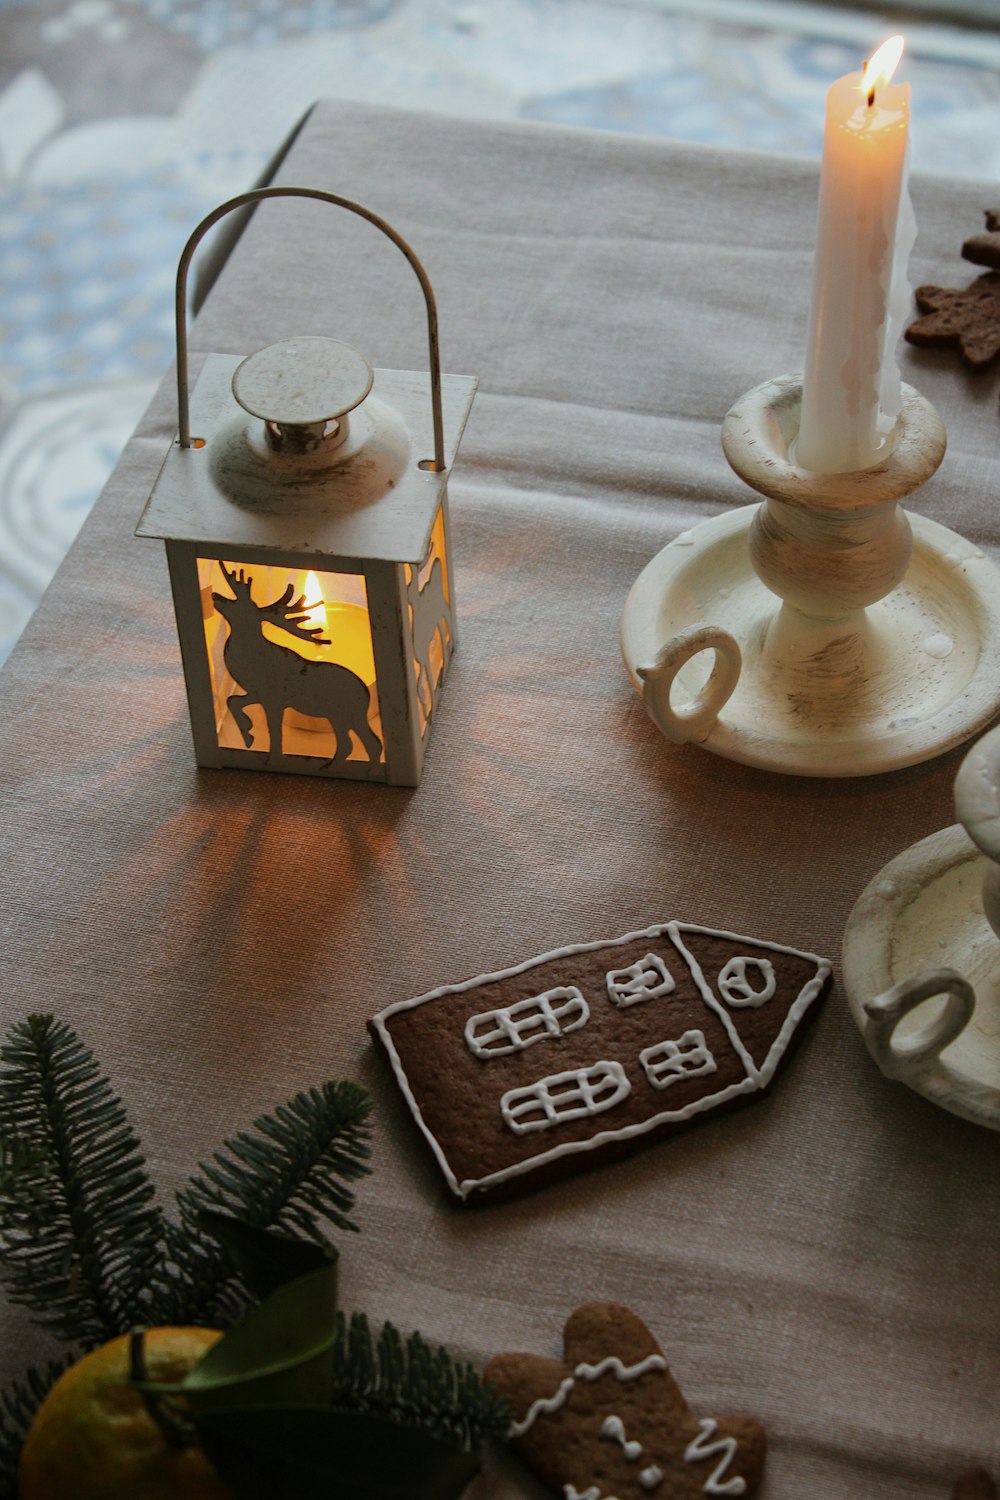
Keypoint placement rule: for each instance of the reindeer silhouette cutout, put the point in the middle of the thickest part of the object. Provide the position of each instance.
(277, 677)
(431, 614)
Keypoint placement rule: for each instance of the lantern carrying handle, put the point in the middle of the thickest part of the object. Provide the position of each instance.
(257, 195)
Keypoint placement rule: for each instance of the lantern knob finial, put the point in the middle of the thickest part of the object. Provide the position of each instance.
(302, 389)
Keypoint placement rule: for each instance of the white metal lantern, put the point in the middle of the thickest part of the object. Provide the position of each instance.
(306, 529)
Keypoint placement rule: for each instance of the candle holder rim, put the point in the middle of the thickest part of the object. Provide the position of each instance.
(756, 448)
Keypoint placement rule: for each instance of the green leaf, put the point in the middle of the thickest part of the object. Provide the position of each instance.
(282, 1351)
(265, 1260)
(314, 1453)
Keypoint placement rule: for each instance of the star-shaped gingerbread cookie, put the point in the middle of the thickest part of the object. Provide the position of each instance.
(984, 249)
(610, 1420)
(966, 316)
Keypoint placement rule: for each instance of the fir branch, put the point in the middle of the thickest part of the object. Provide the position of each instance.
(415, 1385)
(18, 1405)
(79, 1235)
(290, 1175)
(23, 1171)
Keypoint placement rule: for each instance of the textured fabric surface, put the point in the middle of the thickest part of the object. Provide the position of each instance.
(825, 1259)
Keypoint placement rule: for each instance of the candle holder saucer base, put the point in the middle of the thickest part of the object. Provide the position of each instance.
(920, 955)
(879, 688)
(921, 913)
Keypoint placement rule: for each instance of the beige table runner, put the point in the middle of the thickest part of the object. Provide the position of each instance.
(827, 1258)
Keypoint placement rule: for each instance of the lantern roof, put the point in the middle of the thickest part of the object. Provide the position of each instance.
(374, 495)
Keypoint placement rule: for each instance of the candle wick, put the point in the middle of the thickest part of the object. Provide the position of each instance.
(871, 97)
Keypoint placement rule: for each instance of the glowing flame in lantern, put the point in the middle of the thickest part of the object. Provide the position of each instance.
(882, 65)
(315, 614)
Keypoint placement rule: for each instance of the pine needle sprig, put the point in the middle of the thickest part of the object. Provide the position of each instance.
(294, 1170)
(84, 1246)
(414, 1384)
(79, 1233)
(291, 1174)
(18, 1405)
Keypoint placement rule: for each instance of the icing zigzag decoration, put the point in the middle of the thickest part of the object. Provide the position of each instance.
(593, 1050)
(609, 1420)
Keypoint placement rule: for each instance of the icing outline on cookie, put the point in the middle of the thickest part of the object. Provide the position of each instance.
(756, 1077)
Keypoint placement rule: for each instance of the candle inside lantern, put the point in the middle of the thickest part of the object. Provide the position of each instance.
(851, 395)
(344, 638)
(336, 607)
(314, 610)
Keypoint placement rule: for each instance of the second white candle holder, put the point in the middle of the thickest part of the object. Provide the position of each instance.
(921, 960)
(843, 640)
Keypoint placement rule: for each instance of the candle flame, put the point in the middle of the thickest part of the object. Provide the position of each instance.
(314, 613)
(882, 66)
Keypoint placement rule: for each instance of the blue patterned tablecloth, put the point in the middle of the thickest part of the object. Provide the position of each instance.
(123, 121)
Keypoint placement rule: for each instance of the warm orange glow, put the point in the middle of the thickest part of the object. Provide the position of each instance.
(337, 603)
(344, 624)
(882, 65)
(345, 628)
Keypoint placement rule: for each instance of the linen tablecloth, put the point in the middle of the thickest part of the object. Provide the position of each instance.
(826, 1259)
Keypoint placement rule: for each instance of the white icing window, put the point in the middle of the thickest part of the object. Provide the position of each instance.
(687, 1057)
(565, 1096)
(495, 1032)
(647, 979)
(747, 981)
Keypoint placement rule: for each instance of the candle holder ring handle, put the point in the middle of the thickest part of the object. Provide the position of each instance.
(917, 1052)
(257, 195)
(698, 719)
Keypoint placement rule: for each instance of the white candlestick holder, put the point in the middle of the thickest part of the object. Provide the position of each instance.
(921, 959)
(843, 640)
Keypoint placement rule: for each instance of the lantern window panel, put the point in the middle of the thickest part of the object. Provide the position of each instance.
(431, 619)
(283, 645)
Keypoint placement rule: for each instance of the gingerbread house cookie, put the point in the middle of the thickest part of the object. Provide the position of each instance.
(591, 1051)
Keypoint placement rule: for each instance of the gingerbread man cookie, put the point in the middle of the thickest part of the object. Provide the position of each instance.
(609, 1420)
(975, 1484)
